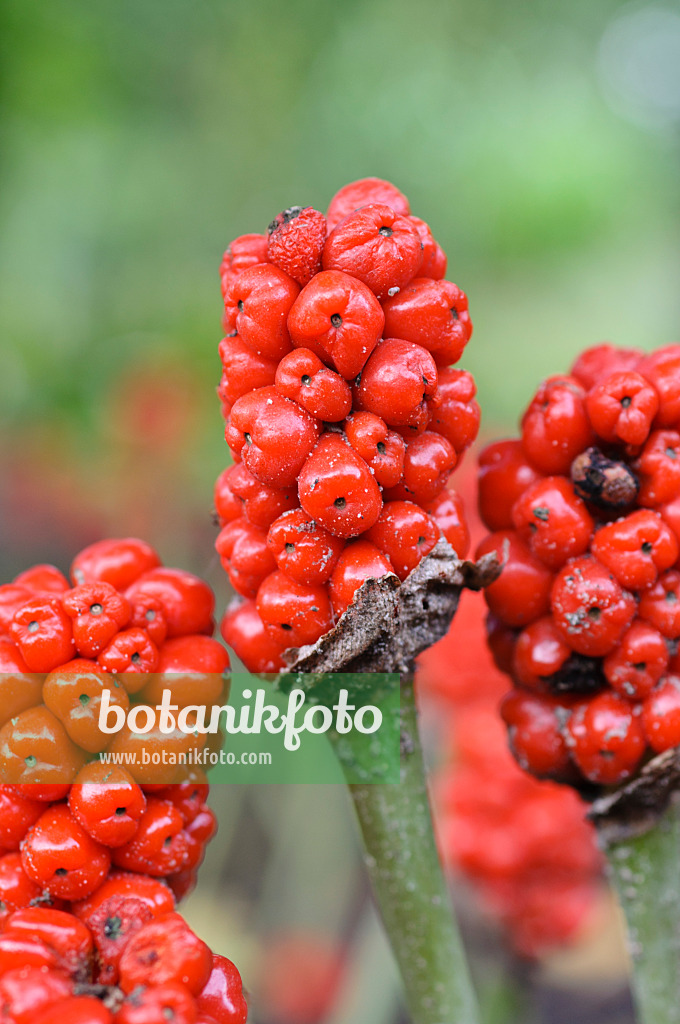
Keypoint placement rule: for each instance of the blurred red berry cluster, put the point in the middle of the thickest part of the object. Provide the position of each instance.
(124, 624)
(343, 413)
(93, 855)
(585, 617)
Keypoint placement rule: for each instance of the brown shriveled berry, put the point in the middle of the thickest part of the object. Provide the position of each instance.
(602, 481)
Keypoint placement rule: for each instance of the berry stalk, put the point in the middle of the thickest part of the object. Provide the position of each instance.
(644, 871)
(409, 887)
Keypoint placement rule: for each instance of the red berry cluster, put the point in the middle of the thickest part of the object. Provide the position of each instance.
(128, 625)
(585, 616)
(343, 413)
(129, 959)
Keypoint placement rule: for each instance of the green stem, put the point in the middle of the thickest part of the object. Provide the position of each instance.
(409, 886)
(646, 874)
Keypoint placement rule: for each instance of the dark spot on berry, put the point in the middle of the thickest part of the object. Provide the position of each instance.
(286, 625)
(640, 666)
(607, 755)
(647, 547)
(3, 908)
(112, 927)
(136, 658)
(305, 379)
(232, 334)
(290, 548)
(61, 872)
(671, 453)
(454, 313)
(336, 320)
(120, 811)
(385, 231)
(150, 615)
(239, 305)
(84, 699)
(340, 502)
(96, 609)
(425, 382)
(421, 540)
(594, 613)
(542, 513)
(30, 761)
(167, 841)
(168, 1013)
(671, 597)
(248, 439)
(382, 447)
(33, 626)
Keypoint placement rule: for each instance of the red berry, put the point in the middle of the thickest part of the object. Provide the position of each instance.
(660, 604)
(165, 950)
(381, 448)
(553, 521)
(338, 318)
(244, 555)
(35, 748)
(662, 370)
(636, 548)
(118, 562)
(273, 436)
(187, 601)
(97, 612)
(294, 613)
(376, 246)
(535, 734)
(130, 652)
(555, 427)
(16, 888)
(337, 488)
(591, 610)
(428, 463)
(358, 562)
(43, 579)
(222, 995)
(238, 493)
(605, 738)
(539, 653)
(159, 845)
(60, 856)
(302, 377)
(76, 1010)
(434, 257)
(61, 932)
(622, 407)
(43, 633)
(504, 475)
(153, 894)
(17, 814)
(27, 990)
(404, 533)
(257, 304)
(365, 192)
(303, 549)
(147, 613)
(659, 468)
(158, 1004)
(600, 361)
(457, 415)
(192, 668)
(244, 631)
(639, 661)
(245, 251)
(12, 598)
(433, 314)
(397, 383)
(107, 802)
(522, 591)
(243, 369)
(448, 512)
(296, 241)
(73, 693)
(661, 715)
(111, 924)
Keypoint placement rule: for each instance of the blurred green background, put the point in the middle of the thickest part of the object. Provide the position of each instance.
(540, 141)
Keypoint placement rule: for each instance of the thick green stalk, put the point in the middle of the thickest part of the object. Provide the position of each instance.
(646, 874)
(409, 887)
